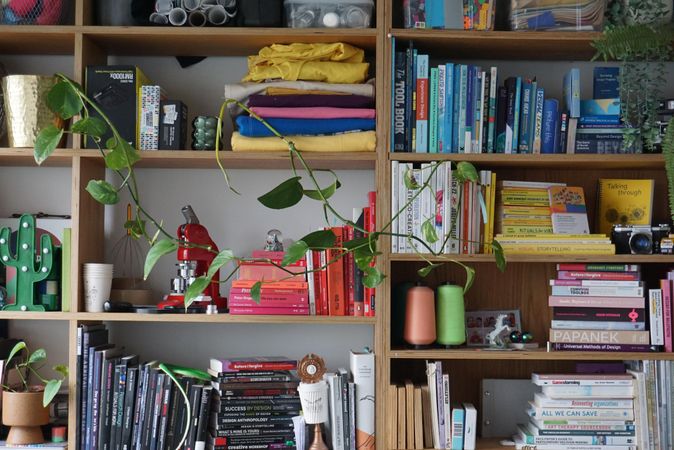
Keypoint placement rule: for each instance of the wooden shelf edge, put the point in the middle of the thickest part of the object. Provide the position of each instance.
(481, 258)
(224, 318)
(486, 444)
(24, 157)
(516, 355)
(30, 315)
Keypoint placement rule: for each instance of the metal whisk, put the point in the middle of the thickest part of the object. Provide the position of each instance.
(128, 256)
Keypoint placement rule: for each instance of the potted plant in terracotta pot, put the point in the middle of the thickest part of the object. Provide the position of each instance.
(25, 404)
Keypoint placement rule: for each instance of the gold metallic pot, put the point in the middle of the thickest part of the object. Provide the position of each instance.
(25, 100)
(23, 411)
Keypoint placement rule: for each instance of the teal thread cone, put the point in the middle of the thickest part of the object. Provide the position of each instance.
(450, 315)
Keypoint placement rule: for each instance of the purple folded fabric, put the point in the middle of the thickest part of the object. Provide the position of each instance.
(311, 100)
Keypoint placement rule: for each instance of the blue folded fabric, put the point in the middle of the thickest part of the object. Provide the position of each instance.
(251, 127)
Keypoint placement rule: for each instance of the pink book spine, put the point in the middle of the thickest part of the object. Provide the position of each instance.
(266, 304)
(270, 292)
(566, 283)
(665, 285)
(291, 298)
(598, 302)
(260, 310)
(615, 276)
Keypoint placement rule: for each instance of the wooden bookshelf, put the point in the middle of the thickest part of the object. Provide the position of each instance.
(480, 258)
(522, 355)
(222, 318)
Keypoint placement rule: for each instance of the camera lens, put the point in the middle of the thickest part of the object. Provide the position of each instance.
(641, 244)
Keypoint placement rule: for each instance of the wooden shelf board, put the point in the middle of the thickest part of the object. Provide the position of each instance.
(187, 159)
(224, 318)
(519, 45)
(626, 259)
(224, 41)
(489, 444)
(24, 157)
(30, 315)
(580, 162)
(37, 39)
(529, 355)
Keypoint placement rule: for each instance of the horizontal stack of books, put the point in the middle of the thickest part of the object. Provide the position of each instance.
(125, 404)
(254, 404)
(581, 412)
(598, 307)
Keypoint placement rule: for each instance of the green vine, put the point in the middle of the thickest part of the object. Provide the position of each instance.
(668, 153)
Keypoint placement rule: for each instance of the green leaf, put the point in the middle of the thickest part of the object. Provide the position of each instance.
(136, 226)
(410, 180)
(284, 195)
(319, 240)
(499, 254)
(470, 276)
(103, 192)
(424, 271)
(186, 372)
(46, 142)
(363, 257)
(63, 370)
(37, 356)
(121, 154)
(327, 192)
(18, 347)
(90, 126)
(373, 277)
(159, 249)
(255, 291)
(465, 171)
(220, 260)
(295, 252)
(64, 100)
(428, 231)
(50, 390)
(195, 289)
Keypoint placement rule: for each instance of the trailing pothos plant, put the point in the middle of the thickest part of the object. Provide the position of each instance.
(637, 37)
(68, 100)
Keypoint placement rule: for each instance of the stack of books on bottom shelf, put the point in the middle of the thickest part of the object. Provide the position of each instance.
(581, 412)
(255, 402)
(125, 404)
(426, 416)
(599, 307)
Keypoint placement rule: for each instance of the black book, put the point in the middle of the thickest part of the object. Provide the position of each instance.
(174, 407)
(511, 91)
(257, 399)
(260, 385)
(287, 411)
(229, 421)
(501, 106)
(244, 392)
(156, 409)
(281, 426)
(91, 336)
(164, 412)
(139, 414)
(249, 432)
(260, 446)
(195, 401)
(252, 377)
(148, 413)
(116, 380)
(248, 440)
(117, 422)
(486, 80)
(105, 403)
(181, 414)
(132, 375)
(92, 395)
(204, 417)
(399, 128)
(344, 375)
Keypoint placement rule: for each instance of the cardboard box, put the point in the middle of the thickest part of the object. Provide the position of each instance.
(172, 125)
(115, 89)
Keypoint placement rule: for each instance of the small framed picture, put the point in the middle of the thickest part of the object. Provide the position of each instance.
(480, 323)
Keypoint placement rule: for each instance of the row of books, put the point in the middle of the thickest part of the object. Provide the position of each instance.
(459, 108)
(447, 215)
(449, 14)
(124, 404)
(317, 288)
(426, 417)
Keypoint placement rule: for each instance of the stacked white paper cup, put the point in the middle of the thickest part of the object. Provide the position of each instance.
(314, 398)
(97, 284)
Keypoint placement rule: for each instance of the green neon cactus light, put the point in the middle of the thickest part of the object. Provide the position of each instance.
(24, 263)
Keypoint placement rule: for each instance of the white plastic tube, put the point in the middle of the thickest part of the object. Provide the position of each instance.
(196, 19)
(163, 6)
(191, 5)
(177, 17)
(217, 15)
(159, 19)
(207, 4)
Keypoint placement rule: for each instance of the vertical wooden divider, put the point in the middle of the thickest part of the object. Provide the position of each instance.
(84, 12)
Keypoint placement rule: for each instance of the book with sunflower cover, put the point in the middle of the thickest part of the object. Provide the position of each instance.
(567, 210)
(625, 202)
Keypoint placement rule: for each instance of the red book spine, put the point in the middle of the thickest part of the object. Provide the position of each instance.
(337, 298)
(372, 226)
(297, 298)
(607, 267)
(268, 291)
(350, 276)
(290, 304)
(318, 286)
(268, 310)
(325, 292)
(369, 302)
(666, 286)
(581, 275)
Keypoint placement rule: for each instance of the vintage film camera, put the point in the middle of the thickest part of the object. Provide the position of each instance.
(639, 239)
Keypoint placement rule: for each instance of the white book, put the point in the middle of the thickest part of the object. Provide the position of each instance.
(598, 283)
(597, 325)
(440, 207)
(433, 394)
(547, 402)
(528, 184)
(580, 413)
(656, 317)
(598, 291)
(407, 206)
(426, 204)
(447, 410)
(455, 216)
(482, 111)
(394, 205)
(570, 391)
(335, 405)
(640, 408)
(520, 445)
(440, 400)
(442, 109)
(418, 209)
(469, 427)
(148, 120)
(310, 282)
(362, 365)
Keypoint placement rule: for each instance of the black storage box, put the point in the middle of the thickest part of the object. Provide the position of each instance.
(172, 125)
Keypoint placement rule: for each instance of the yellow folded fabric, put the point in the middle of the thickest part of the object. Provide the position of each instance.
(362, 141)
(337, 51)
(290, 91)
(326, 71)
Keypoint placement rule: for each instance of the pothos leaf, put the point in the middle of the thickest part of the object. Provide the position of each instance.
(50, 390)
(327, 192)
(424, 271)
(410, 180)
(159, 249)
(465, 171)
(319, 240)
(103, 192)
(255, 291)
(295, 252)
(220, 260)
(195, 289)
(61, 369)
(428, 231)
(37, 356)
(90, 126)
(373, 277)
(285, 195)
(46, 142)
(19, 346)
(121, 155)
(499, 254)
(64, 100)
(470, 276)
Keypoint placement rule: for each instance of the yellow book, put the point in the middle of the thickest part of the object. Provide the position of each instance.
(543, 241)
(524, 229)
(492, 209)
(515, 219)
(532, 197)
(559, 249)
(525, 210)
(626, 202)
(486, 239)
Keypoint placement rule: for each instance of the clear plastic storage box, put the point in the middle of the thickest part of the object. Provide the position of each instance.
(557, 15)
(328, 14)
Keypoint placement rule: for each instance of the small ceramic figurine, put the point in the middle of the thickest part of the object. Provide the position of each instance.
(274, 242)
(497, 336)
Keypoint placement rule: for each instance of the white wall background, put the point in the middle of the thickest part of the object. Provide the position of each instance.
(237, 222)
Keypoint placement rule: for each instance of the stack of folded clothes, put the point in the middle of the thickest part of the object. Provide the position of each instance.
(315, 95)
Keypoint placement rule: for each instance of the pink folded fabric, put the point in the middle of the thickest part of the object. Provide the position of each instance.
(319, 112)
